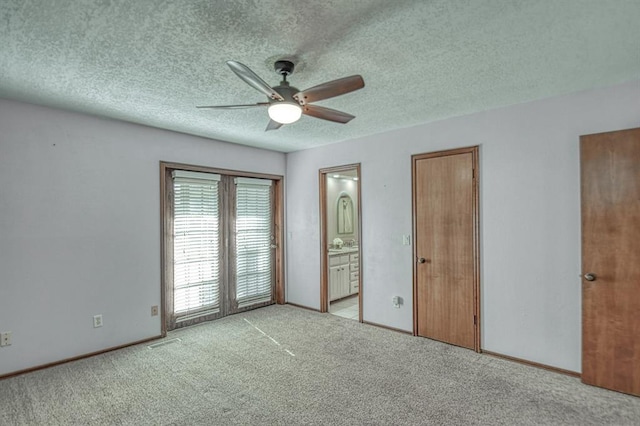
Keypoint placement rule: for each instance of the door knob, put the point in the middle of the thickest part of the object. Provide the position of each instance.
(590, 277)
(422, 260)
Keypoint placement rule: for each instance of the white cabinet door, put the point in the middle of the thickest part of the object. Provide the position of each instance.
(339, 277)
(338, 282)
(344, 281)
(334, 282)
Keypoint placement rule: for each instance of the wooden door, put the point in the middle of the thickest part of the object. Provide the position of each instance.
(446, 247)
(610, 175)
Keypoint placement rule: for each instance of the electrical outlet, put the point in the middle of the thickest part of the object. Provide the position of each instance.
(97, 321)
(5, 338)
(154, 310)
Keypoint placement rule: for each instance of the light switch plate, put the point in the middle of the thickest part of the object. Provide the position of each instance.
(397, 301)
(97, 321)
(406, 240)
(5, 338)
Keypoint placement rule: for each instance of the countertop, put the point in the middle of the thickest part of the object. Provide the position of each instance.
(344, 250)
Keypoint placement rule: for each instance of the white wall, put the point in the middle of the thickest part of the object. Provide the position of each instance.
(80, 227)
(530, 217)
(80, 223)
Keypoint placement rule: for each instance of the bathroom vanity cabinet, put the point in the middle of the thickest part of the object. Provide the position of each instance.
(344, 274)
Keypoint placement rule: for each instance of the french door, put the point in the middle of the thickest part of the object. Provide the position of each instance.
(220, 244)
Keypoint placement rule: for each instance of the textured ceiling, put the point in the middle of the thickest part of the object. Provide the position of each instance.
(152, 61)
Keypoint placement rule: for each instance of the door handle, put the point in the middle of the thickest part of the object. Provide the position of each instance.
(422, 260)
(590, 276)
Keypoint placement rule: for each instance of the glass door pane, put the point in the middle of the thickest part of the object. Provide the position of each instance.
(254, 240)
(196, 245)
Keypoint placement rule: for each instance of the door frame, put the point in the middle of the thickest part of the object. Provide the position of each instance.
(166, 228)
(324, 280)
(474, 150)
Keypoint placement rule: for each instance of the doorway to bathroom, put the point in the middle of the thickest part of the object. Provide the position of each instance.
(340, 245)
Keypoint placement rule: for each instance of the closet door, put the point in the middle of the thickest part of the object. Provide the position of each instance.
(610, 175)
(446, 248)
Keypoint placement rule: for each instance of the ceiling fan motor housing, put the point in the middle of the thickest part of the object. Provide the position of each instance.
(286, 92)
(284, 67)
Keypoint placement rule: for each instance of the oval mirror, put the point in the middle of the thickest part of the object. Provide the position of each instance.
(345, 214)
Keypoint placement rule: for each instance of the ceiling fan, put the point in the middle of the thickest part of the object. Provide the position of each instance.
(286, 103)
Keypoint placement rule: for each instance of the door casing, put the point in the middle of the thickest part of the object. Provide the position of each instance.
(166, 227)
(324, 279)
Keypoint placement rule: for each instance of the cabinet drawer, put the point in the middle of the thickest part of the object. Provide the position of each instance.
(338, 260)
(334, 260)
(353, 267)
(354, 287)
(354, 276)
(354, 257)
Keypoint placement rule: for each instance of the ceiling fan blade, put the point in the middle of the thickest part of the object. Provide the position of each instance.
(273, 125)
(232, 106)
(327, 114)
(253, 80)
(330, 89)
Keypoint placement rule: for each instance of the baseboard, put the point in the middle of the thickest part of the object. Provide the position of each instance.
(114, 348)
(398, 330)
(76, 358)
(303, 307)
(533, 364)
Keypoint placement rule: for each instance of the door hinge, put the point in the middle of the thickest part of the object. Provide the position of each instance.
(473, 173)
(475, 320)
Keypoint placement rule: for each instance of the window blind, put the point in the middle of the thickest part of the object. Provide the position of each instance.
(254, 274)
(196, 237)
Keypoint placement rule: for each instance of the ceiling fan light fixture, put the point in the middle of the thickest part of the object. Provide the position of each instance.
(286, 103)
(285, 112)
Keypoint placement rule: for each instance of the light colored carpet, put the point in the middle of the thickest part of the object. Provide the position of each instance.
(323, 370)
